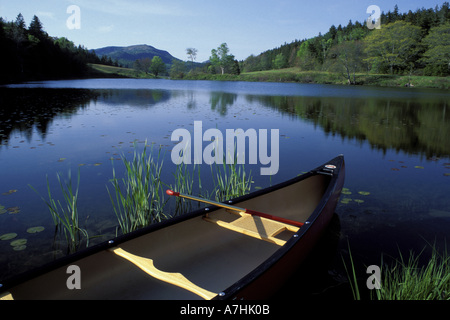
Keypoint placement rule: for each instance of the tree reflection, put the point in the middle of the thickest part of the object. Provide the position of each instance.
(411, 125)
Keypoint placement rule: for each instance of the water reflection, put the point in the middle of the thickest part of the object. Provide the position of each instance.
(414, 125)
(25, 109)
(221, 101)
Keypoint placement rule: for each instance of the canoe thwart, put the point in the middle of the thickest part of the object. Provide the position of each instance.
(176, 279)
(255, 226)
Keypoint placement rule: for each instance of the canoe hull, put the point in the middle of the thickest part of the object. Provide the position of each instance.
(286, 262)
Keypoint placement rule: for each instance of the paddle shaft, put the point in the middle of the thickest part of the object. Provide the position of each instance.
(227, 206)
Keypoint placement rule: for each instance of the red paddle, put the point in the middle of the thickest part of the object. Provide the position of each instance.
(227, 206)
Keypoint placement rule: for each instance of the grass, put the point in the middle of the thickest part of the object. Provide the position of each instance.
(230, 181)
(407, 279)
(65, 214)
(114, 72)
(139, 196)
(293, 74)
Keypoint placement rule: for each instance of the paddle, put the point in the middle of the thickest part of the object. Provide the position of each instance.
(227, 206)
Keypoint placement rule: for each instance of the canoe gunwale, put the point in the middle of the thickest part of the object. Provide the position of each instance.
(231, 291)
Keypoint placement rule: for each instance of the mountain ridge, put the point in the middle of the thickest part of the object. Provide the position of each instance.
(127, 55)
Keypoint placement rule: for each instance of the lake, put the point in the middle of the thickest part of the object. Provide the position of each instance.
(395, 142)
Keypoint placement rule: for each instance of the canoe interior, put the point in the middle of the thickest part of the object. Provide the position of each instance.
(210, 256)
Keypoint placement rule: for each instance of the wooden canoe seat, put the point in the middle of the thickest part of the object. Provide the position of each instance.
(176, 279)
(254, 226)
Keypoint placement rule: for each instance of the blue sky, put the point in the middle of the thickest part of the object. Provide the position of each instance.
(247, 26)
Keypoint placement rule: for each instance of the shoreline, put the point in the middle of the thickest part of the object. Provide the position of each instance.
(289, 75)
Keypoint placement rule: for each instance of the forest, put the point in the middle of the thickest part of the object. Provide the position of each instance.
(29, 53)
(412, 43)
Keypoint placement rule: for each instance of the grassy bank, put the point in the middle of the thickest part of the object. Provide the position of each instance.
(100, 70)
(294, 75)
(321, 77)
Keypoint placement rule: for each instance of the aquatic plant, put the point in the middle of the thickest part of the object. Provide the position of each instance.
(184, 183)
(35, 229)
(408, 279)
(230, 180)
(139, 196)
(8, 236)
(66, 217)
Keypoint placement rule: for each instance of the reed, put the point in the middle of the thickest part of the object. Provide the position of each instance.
(139, 196)
(351, 275)
(184, 183)
(65, 214)
(407, 279)
(230, 181)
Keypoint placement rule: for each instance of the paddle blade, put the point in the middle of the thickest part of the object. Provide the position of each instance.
(172, 193)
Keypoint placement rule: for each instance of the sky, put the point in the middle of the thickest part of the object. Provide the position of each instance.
(247, 26)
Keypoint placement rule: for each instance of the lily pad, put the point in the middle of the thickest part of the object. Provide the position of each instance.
(447, 174)
(3, 210)
(364, 193)
(20, 248)
(13, 210)
(346, 200)
(8, 236)
(9, 192)
(35, 229)
(18, 242)
(358, 201)
(419, 167)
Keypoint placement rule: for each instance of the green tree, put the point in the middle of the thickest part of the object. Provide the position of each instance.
(349, 59)
(221, 58)
(305, 59)
(279, 62)
(177, 69)
(36, 28)
(142, 65)
(192, 54)
(438, 48)
(157, 66)
(394, 46)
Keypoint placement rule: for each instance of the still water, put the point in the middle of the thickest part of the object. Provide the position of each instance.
(395, 141)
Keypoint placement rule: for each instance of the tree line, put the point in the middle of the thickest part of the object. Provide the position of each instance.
(29, 53)
(413, 42)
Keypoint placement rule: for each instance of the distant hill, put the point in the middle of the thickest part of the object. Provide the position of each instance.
(126, 56)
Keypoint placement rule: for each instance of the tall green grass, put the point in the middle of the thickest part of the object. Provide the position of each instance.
(65, 214)
(139, 196)
(230, 181)
(140, 199)
(408, 279)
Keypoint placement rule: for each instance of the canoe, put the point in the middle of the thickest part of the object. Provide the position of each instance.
(211, 253)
